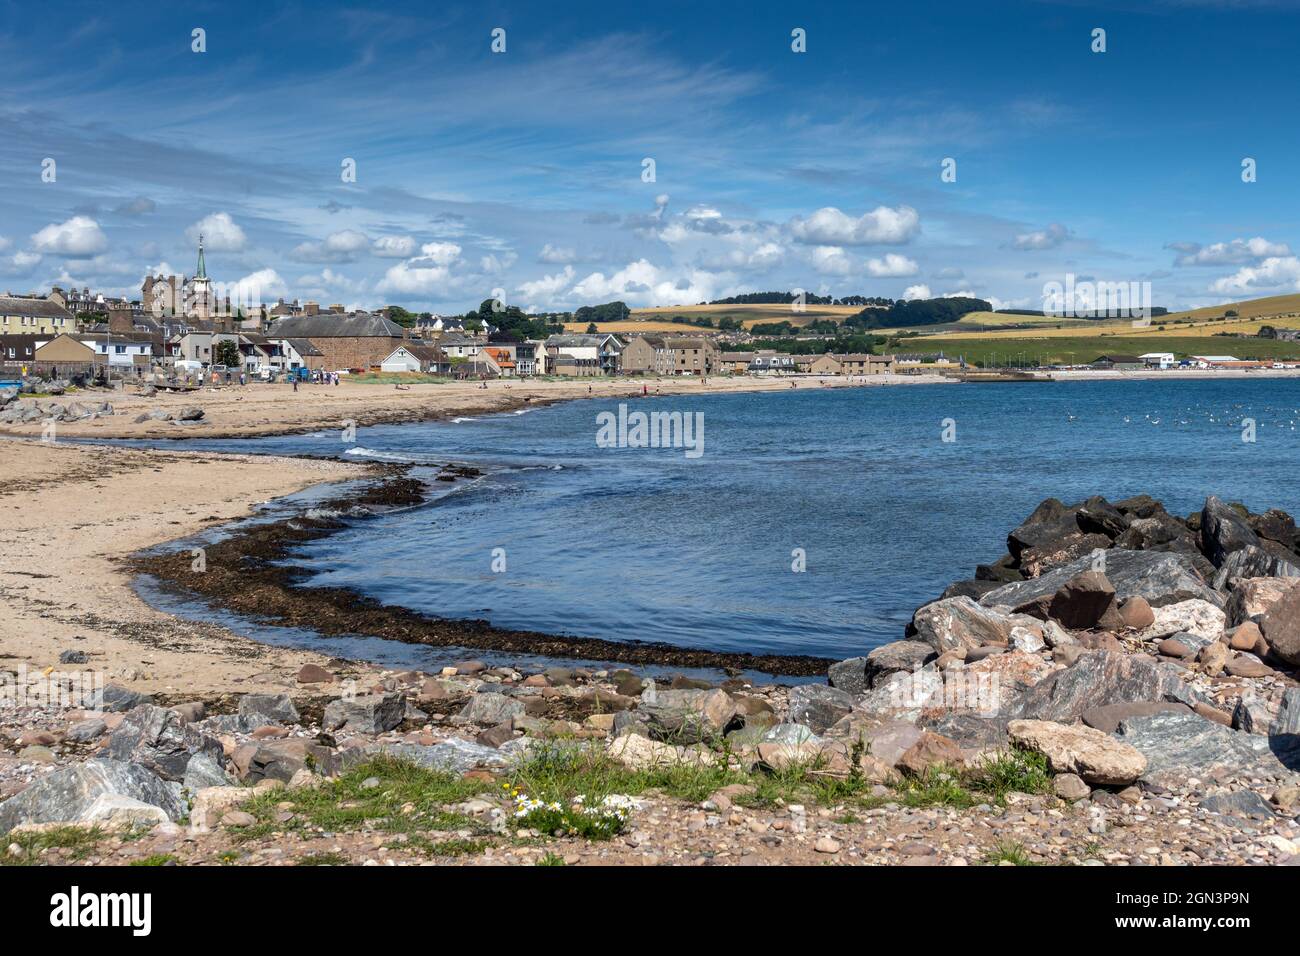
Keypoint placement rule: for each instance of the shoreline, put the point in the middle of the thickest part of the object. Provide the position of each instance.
(245, 575)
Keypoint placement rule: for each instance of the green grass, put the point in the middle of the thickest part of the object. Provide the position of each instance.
(408, 799)
(156, 859)
(79, 841)
(1080, 350)
(938, 786)
(550, 859)
(1009, 852)
(394, 378)
(1013, 771)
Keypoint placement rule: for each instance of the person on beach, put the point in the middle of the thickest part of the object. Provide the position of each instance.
(295, 383)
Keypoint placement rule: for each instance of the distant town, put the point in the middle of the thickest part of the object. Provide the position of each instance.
(183, 328)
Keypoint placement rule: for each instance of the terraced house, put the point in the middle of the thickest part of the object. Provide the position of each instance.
(34, 315)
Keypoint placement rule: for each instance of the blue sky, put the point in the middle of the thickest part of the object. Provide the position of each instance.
(522, 170)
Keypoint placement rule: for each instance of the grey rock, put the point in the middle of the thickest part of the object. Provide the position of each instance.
(1223, 530)
(371, 714)
(849, 676)
(72, 657)
(1253, 562)
(85, 731)
(489, 708)
(959, 622)
(1098, 678)
(894, 657)
(1107, 717)
(1288, 714)
(688, 716)
(1049, 523)
(818, 706)
(67, 795)
(453, 755)
(1281, 627)
(117, 699)
(1182, 745)
(234, 723)
(790, 734)
(159, 740)
(190, 413)
(1239, 803)
(278, 708)
(1161, 578)
(204, 770)
(970, 730)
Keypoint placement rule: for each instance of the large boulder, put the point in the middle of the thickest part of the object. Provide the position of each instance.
(371, 714)
(849, 676)
(1182, 745)
(894, 657)
(818, 706)
(1095, 756)
(1253, 562)
(453, 755)
(930, 751)
(1224, 529)
(277, 708)
(1161, 528)
(960, 623)
(1187, 617)
(492, 709)
(159, 739)
(1161, 578)
(85, 792)
(1097, 678)
(1085, 601)
(1274, 525)
(1050, 523)
(1281, 627)
(1037, 561)
(687, 716)
(1249, 599)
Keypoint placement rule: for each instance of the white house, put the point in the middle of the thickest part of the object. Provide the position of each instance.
(122, 348)
(416, 358)
(1159, 359)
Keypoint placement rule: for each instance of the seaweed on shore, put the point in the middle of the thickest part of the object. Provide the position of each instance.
(245, 573)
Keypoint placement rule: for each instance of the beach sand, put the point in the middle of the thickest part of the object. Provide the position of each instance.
(70, 513)
(261, 409)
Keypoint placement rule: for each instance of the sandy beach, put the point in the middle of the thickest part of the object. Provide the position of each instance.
(260, 409)
(72, 512)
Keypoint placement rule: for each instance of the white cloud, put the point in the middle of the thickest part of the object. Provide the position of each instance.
(557, 255)
(1228, 253)
(328, 279)
(892, 266)
(342, 246)
(646, 284)
(24, 262)
(831, 261)
(883, 225)
(4, 243)
(220, 233)
(547, 287)
(430, 273)
(78, 238)
(1272, 273)
(265, 285)
(493, 264)
(1048, 238)
(394, 247)
(921, 291)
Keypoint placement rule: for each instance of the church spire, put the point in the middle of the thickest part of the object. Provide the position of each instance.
(203, 269)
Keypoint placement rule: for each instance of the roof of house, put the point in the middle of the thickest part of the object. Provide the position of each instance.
(21, 344)
(334, 325)
(23, 305)
(737, 356)
(1118, 359)
(302, 346)
(425, 353)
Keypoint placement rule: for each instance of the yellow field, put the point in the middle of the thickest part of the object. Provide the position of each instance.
(632, 325)
(750, 315)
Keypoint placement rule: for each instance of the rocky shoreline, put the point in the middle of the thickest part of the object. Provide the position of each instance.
(1119, 688)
